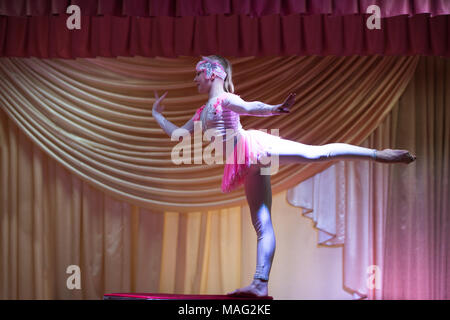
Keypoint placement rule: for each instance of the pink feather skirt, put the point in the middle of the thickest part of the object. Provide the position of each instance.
(252, 145)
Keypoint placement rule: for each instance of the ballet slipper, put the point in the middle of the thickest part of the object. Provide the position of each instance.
(394, 156)
(257, 289)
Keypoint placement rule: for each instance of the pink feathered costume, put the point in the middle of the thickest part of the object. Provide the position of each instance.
(249, 145)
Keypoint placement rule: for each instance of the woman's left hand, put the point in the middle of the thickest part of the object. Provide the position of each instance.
(157, 107)
(286, 105)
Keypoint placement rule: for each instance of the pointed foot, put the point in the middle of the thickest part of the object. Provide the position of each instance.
(395, 156)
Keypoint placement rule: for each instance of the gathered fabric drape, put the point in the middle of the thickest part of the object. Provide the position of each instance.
(393, 221)
(94, 116)
(51, 218)
(417, 230)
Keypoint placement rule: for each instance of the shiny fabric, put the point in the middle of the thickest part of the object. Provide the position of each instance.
(252, 147)
(392, 221)
(52, 217)
(221, 123)
(216, 116)
(211, 67)
(93, 116)
(248, 145)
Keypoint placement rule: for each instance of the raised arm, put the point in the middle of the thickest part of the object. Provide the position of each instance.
(257, 108)
(165, 124)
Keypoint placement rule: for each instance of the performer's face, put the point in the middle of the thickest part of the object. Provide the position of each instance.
(203, 84)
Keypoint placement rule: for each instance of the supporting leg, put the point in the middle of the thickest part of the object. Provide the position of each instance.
(259, 197)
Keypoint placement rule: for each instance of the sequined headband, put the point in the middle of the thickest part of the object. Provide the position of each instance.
(211, 67)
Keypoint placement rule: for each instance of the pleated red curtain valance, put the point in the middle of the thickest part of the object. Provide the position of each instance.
(171, 28)
(181, 8)
(235, 35)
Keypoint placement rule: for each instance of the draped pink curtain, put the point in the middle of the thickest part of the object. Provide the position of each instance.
(417, 229)
(393, 221)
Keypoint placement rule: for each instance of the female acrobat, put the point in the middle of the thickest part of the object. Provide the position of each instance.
(251, 150)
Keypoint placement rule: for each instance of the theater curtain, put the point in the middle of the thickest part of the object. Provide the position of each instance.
(30, 28)
(393, 221)
(226, 35)
(93, 116)
(51, 218)
(179, 8)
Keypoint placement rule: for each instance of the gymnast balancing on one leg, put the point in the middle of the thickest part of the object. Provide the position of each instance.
(221, 113)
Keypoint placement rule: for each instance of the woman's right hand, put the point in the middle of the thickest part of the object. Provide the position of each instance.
(157, 106)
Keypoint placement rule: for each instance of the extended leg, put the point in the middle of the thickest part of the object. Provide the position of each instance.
(292, 152)
(259, 197)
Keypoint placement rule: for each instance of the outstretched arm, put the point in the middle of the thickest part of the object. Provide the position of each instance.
(257, 108)
(165, 124)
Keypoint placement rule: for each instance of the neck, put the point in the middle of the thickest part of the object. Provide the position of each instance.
(216, 90)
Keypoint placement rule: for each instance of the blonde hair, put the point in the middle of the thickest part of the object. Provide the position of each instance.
(228, 85)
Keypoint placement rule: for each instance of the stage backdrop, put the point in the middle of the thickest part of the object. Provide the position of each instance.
(86, 181)
(396, 217)
(93, 116)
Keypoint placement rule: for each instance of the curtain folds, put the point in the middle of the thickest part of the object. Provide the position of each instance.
(93, 116)
(226, 35)
(348, 203)
(392, 216)
(51, 219)
(396, 218)
(179, 8)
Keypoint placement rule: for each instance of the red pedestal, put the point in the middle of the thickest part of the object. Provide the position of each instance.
(168, 296)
